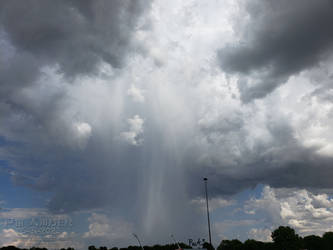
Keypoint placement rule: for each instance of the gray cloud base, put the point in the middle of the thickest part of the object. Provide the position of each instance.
(75, 35)
(282, 39)
(75, 38)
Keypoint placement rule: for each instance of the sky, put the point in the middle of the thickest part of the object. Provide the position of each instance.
(113, 112)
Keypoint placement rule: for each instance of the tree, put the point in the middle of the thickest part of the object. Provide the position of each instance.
(328, 240)
(230, 245)
(208, 246)
(253, 245)
(285, 238)
(313, 242)
(10, 248)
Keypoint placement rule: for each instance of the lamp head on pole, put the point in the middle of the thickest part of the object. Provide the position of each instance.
(205, 179)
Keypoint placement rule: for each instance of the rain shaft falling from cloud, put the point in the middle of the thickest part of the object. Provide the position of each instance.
(125, 105)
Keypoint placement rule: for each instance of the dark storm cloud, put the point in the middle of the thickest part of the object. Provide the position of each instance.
(308, 171)
(75, 35)
(44, 45)
(281, 39)
(17, 72)
(283, 162)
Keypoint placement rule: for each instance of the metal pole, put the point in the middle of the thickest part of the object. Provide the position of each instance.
(138, 240)
(210, 237)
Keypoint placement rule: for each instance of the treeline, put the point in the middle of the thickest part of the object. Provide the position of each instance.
(155, 247)
(284, 238)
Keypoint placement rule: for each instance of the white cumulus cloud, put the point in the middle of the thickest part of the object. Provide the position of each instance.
(134, 135)
(303, 210)
(136, 94)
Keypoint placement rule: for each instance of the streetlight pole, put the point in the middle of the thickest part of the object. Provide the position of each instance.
(136, 237)
(210, 237)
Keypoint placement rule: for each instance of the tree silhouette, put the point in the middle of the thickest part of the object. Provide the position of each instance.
(253, 245)
(208, 246)
(328, 240)
(285, 238)
(313, 242)
(230, 245)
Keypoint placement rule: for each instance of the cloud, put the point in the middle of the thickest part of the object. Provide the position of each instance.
(48, 52)
(133, 136)
(281, 39)
(214, 203)
(233, 228)
(260, 234)
(52, 44)
(103, 229)
(136, 94)
(10, 237)
(22, 213)
(307, 212)
(83, 132)
(71, 38)
(29, 227)
(98, 227)
(75, 35)
(72, 115)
